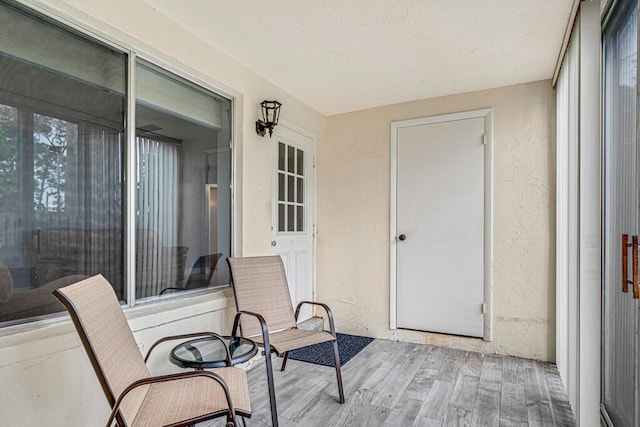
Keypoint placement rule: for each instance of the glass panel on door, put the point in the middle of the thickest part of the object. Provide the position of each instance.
(291, 204)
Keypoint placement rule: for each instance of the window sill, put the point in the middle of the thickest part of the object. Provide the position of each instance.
(141, 317)
(145, 315)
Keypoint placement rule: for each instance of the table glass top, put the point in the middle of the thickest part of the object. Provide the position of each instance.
(211, 349)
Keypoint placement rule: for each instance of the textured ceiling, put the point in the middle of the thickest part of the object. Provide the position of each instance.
(345, 55)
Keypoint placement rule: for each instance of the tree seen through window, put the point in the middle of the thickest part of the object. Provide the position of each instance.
(53, 139)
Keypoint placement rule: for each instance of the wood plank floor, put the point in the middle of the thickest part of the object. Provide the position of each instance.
(392, 383)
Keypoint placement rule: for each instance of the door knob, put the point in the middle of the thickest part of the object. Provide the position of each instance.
(273, 243)
(402, 237)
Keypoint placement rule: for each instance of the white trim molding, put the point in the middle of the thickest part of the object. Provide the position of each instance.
(565, 41)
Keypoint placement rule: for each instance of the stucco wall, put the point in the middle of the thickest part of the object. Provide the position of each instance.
(353, 218)
(45, 377)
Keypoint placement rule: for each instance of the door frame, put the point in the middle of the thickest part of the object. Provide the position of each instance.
(487, 115)
(312, 174)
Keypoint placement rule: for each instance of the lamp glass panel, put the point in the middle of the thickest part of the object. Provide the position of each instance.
(270, 113)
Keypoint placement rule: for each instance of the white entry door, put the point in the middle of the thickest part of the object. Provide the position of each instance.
(440, 224)
(294, 215)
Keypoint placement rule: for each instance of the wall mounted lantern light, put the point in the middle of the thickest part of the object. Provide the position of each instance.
(270, 116)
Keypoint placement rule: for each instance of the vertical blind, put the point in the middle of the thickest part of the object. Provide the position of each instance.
(156, 216)
(567, 120)
(104, 200)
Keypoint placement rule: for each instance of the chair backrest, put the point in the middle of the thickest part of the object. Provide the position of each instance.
(107, 339)
(202, 271)
(260, 286)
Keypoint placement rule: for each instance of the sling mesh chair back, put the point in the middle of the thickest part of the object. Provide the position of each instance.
(201, 273)
(265, 315)
(137, 398)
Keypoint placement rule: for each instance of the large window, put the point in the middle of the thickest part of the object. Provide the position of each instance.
(183, 181)
(63, 172)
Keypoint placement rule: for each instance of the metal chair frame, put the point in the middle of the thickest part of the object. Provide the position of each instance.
(268, 349)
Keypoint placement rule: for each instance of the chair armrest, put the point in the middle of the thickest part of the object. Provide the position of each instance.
(171, 289)
(263, 325)
(192, 335)
(332, 326)
(236, 321)
(173, 377)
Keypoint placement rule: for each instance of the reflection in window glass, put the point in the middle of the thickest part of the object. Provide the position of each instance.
(8, 165)
(183, 177)
(61, 180)
(53, 142)
(62, 169)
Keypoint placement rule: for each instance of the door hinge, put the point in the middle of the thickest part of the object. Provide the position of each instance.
(483, 307)
(314, 162)
(484, 139)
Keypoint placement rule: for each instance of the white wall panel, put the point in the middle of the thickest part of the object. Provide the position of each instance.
(578, 215)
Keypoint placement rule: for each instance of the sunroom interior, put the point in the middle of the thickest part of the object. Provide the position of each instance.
(130, 150)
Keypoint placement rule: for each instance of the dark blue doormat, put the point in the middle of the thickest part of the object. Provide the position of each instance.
(322, 354)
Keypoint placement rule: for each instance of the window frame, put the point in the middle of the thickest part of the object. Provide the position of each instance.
(134, 50)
